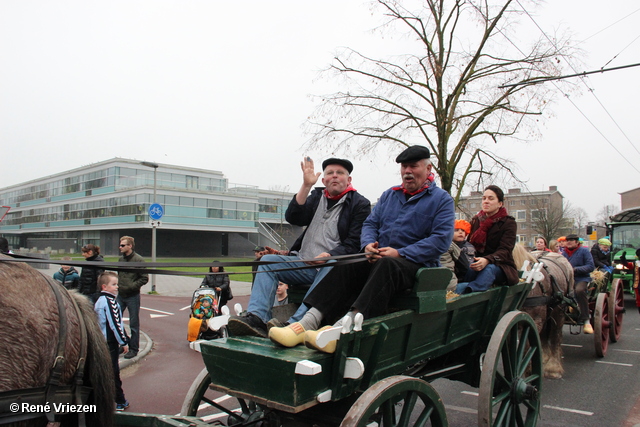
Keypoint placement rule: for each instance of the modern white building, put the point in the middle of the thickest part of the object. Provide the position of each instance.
(204, 215)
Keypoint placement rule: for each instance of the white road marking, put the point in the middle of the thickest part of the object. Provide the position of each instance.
(470, 393)
(574, 411)
(157, 311)
(186, 308)
(153, 316)
(627, 351)
(613, 363)
(572, 345)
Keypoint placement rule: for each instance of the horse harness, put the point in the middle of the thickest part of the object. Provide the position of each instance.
(53, 393)
(557, 296)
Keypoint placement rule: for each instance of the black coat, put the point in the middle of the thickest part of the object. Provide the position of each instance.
(600, 259)
(89, 278)
(355, 210)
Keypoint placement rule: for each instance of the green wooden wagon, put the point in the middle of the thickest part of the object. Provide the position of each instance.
(381, 371)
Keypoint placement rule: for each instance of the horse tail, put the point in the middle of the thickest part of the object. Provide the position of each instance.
(98, 369)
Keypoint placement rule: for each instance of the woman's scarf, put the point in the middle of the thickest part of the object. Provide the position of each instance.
(428, 182)
(339, 196)
(479, 237)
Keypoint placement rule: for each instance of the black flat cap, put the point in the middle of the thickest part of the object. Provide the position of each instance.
(573, 237)
(342, 162)
(413, 154)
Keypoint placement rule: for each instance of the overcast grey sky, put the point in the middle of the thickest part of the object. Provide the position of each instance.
(226, 86)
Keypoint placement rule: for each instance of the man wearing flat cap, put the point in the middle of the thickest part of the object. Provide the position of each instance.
(333, 216)
(582, 262)
(409, 228)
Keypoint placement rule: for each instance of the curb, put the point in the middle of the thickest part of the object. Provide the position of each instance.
(124, 363)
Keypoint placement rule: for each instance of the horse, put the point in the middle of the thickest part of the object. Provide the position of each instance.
(543, 307)
(38, 365)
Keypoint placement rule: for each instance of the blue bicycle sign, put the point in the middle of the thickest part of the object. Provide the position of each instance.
(156, 211)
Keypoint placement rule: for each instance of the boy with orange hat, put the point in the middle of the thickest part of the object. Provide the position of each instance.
(460, 254)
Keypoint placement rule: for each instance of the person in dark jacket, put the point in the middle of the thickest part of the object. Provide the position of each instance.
(89, 275)
(67, 276)
(219, 282)
(493, 234)
(601, 253)
(333, 216)
(129, 284)
(582, 263)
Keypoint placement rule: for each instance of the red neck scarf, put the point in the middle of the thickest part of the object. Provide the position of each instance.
(426, 185)
(570, 252)
(339, 196)
(479, 237)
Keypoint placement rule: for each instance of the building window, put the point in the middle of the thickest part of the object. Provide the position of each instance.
(521, 216)
(537, 214)
(522, 238)
(523, 226)
(523, 202)
(192, 182)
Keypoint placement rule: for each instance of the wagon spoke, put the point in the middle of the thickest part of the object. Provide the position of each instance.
(504, 383)
(423, 418)
(524, 342)
(501, 397)
(524, 362)
(388, 413)
(409, 402)
(503, 413)
(518, 416)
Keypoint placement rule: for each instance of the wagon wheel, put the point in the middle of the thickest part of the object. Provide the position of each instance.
(397, 401)
(601, 324)
(197, 395)
(511, 377)
(616, 309)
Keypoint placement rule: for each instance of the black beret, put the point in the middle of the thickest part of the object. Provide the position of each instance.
(342, 162)
(413, 153)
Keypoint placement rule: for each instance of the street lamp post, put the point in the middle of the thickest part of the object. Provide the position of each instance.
(153, 228)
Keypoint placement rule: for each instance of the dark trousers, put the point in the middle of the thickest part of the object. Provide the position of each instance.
(583, 301)
(132, 305)
(366, 287)
(114, 352)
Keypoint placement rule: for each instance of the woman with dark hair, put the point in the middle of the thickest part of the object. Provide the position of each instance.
(89, 275)
(219, 282)
(4, 246)
(493, 234)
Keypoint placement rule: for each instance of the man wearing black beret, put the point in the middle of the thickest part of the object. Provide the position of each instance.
(409, 228)
(333, 215)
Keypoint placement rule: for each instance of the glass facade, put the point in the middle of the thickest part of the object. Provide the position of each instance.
(119, 191)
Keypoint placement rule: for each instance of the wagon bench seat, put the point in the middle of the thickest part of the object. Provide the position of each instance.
(255, 369)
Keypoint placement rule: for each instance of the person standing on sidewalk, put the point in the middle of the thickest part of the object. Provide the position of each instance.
(129, 283)
(88, 285)
(112, 327)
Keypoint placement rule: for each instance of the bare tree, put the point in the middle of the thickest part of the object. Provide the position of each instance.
(605, 213)
(448, 95)
(580, 220)
(552, 222)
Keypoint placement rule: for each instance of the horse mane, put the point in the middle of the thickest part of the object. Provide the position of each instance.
(521, 254)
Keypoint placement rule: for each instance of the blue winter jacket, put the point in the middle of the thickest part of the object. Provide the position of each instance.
(421, 228)
(582, 263)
